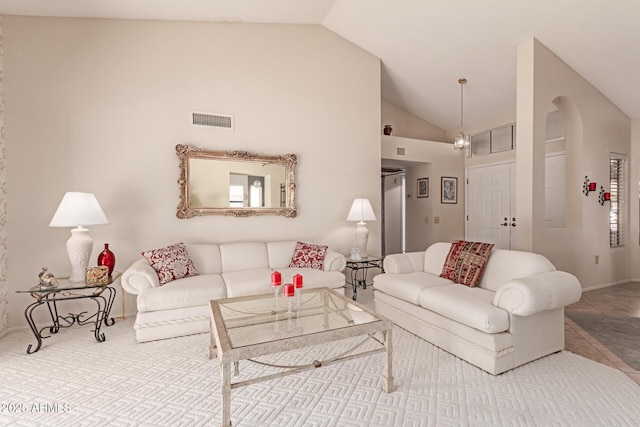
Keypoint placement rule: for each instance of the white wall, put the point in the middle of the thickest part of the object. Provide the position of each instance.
(634, 208)
(431, 160)
(99, 105)
(597, 128)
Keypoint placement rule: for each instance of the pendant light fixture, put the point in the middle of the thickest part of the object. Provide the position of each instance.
(461, 140)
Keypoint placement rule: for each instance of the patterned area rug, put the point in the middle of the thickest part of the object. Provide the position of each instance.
(74, 380)
(618, 334)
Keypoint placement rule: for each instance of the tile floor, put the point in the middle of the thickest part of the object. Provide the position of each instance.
(619, 300)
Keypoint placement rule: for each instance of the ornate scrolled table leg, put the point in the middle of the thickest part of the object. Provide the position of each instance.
(28, 313)
(100, 316)
(109, 321)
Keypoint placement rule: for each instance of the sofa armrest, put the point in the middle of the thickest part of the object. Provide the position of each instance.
(403, 263)
(334, 261)
(539, 292)
(139, 276)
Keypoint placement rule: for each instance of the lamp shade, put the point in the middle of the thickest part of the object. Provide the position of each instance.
(78, 209)
(361, 210)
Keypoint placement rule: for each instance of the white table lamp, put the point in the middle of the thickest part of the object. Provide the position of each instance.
(361, 211)
(77, 210)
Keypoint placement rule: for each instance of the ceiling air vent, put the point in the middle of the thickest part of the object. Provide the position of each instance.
(400, 151)
(215, 120)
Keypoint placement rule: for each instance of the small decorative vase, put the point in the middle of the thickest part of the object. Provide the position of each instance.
(387, 129)
(107, 258)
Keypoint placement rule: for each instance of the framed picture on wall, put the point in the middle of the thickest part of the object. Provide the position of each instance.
(449, 189)
(423, 187)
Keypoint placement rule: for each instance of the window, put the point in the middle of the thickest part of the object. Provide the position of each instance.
(617, 173)
(494, 140)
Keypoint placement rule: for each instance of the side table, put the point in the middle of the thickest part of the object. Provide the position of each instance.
(102, 295)
(359, 268)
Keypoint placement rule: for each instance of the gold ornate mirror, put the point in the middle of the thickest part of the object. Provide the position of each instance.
(237, 183)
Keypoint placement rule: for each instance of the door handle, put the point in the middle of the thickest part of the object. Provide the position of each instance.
(504, 224)
(513, 224)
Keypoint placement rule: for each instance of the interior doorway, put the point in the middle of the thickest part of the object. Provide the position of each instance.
(393, 188)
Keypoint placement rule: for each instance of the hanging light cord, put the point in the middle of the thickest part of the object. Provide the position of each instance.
(462, 81)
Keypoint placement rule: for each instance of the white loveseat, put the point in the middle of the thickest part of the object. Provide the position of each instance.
(514, 315)
(181, 307)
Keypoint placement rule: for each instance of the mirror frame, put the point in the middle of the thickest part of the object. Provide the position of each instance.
(186, 152)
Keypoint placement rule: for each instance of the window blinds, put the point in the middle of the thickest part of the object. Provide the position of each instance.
(617, 223)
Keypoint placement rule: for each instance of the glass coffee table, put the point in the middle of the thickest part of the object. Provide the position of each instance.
(244, 328)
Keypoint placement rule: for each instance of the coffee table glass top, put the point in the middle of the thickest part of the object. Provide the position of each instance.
(254, 320)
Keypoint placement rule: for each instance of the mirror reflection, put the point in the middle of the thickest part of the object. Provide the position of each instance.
(235, 183)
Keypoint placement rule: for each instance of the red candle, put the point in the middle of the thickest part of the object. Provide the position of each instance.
(276, 278)
(297, 280)
(607, 196)
(592, 186)
(289, 290)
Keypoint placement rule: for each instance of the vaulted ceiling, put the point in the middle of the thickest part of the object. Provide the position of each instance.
(426, 45)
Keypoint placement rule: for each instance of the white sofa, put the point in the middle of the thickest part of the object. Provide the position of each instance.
(514, 315)
(181, 307)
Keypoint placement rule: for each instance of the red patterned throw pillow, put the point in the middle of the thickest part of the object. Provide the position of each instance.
(465, 262)
(171, 263)
(306, 255)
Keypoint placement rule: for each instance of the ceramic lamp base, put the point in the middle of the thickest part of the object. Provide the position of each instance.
(79, 247)
(362, 238)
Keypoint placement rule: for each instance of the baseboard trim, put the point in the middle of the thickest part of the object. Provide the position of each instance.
(607, 285)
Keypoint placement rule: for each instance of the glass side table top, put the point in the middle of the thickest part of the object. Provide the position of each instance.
(65, 285)
(370, 258)
(252, 320)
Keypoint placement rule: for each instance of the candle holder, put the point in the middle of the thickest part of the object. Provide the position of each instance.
(289, 293)
(297, 282)
(588, 186)
(276, 282)
(604, 196)
(276, 291)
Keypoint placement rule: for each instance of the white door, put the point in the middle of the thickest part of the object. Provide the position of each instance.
(491, 205)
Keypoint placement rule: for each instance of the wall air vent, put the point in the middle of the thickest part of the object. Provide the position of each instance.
(215, 120)
(400, 151)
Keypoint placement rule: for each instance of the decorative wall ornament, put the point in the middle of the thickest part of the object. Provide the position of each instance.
(588, 186)
(604, 196)
(4, 291)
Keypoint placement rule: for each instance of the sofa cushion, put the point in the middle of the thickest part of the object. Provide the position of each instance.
(408, 286)
(206, 257)
(506, 265)
(466, 261)
(470, 306)
(280, 254)
(171, 263)
(243, 256)
(249, 282)
(308, 255)
(186, 292)
(314, 278)
(434, 258)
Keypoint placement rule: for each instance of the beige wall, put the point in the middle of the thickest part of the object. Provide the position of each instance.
(99, 105)
(409, 126)
(596, 128)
